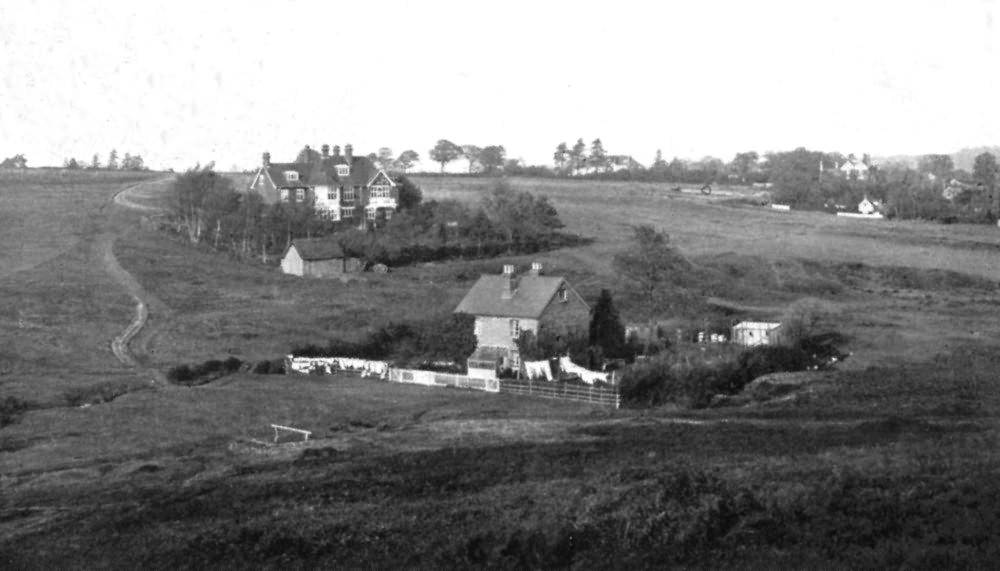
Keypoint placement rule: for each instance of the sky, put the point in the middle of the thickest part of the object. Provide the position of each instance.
(185, 82)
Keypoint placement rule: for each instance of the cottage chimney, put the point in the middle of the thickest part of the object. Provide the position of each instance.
(349, 153)
(508, 282)
(326, 150)
(308, 152)
(536, 269)
(336, 150)
(267, 159)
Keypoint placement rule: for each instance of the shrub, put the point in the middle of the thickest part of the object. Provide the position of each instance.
(99, 393)
(205, 372)
(11, 409)
(272, 367)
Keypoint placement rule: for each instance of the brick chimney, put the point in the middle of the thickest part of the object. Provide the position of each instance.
(308, 154)
(349, 153)
(336, 150)
(267, 159)
(536, 269)
(508, 282)
(326, 150)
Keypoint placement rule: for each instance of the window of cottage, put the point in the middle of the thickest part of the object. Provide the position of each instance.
(300, 194)
(380, 191)
(284, 195)
(291, 176)
(347, 212)
(343, 170)
(331, 194)
(370, 213)
(515, 328)
(477, 329)
(348, 193)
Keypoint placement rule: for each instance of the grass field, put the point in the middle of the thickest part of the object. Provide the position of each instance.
(888, 463)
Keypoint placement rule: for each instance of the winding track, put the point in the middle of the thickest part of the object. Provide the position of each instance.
(105, 247)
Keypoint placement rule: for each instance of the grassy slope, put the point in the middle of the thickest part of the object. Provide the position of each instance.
(412, 477)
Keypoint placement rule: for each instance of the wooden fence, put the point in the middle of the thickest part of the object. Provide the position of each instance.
(564, 391)
(432, 379)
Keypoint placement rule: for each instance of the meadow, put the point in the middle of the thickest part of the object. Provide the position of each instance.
(889, 461)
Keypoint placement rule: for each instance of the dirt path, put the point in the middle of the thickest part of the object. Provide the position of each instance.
(104, 246)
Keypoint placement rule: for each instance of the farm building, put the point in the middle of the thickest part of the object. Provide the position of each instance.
(507, 304)
(751, 333)
(317, 258)
(341, 187)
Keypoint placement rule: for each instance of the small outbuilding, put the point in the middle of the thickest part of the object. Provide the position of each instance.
(317, 258)
(752, 333)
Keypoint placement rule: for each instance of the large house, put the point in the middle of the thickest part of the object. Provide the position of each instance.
(505, 305)
(340, 187)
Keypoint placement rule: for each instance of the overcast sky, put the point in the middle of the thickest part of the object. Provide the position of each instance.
(181, 82)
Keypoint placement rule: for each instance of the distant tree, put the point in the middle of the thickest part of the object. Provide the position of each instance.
(743, 164)
(473, 154)
(385, 158)
(606, 328)
(651, 262)
(445, 152)
(406, 160)
(200, 198)
(939, 166)
(598, 156)
(410, 194)
(985, 171)
(802, 321)
(561, 157)
(795, 175)
(372, 157)
(308, 155)
(493, 157)
(520, 216)
(71, 164)
(15, 162)
(659, 165)
(95, 163)
(127, 162)
(577, 155)
(133, 163)
(113, 159)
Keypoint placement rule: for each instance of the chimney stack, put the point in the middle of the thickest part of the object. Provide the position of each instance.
(267, 159)
(326, 150)
(536, 269)
(349, 153)
(508, 282)
(336, 150)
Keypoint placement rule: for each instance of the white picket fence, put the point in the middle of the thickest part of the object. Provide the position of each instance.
(380, 369)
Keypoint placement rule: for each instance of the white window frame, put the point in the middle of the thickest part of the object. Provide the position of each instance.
(515, 328)
(348, 195)
(380, 191)
(284, 195)
(331, 194)
(343, 170)
(347, 212)
(371, 213)
(291, 176)
(300, 194)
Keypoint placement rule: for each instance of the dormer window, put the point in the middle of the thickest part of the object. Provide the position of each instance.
(343, 170)
(291, 176)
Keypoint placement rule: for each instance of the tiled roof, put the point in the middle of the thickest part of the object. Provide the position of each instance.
(531, 295)
(489, 354)
(315, 249)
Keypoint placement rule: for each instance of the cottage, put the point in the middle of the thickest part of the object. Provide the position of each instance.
(505, 305)
(340, 187)
(752, 333)
(317, 258)
(854, 168)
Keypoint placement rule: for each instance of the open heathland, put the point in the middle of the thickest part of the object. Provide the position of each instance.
(887, 462)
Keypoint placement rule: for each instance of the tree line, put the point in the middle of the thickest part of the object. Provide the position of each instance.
(129, 162)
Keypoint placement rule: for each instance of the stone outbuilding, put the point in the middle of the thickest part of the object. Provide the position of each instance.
(318, 258)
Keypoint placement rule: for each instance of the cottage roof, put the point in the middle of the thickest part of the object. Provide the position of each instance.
(766, 325)
(315, 249)
(324, 171)
(530, 296)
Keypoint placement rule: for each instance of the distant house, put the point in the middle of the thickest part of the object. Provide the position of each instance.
(318, 258)
(340, 187)
(505, 305)
(752, 333)
(867, 206)
(854, 168)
